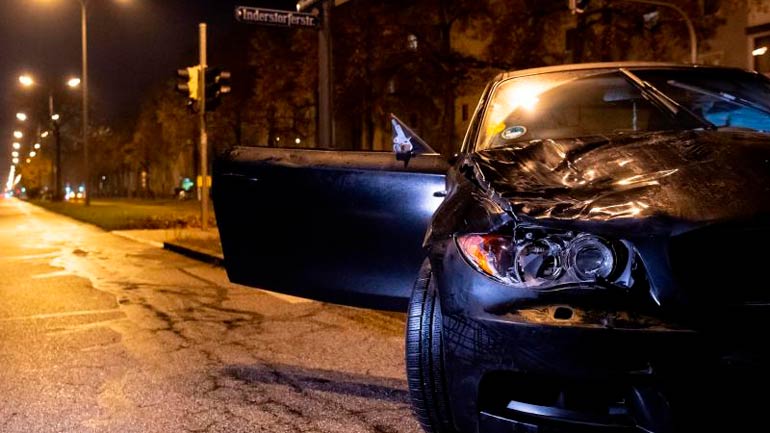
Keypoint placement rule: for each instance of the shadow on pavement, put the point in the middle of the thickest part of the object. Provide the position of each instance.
(301, 379)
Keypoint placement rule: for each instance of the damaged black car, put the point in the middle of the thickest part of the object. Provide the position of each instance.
(591, 260)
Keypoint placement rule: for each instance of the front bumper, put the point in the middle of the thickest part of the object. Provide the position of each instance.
(559, 368)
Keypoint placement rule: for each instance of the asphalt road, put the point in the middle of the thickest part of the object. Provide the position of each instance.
(102, 334)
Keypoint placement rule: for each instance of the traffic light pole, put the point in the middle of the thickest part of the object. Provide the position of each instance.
(204, 145)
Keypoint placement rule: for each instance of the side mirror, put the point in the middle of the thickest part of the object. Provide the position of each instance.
(406, 143)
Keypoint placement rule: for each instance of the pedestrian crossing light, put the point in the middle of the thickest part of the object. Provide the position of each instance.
(188, 82)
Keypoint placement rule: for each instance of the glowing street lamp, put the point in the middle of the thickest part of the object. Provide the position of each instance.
(17, 145)
(18, 134)
(15, 160)
(27, 80)
(21, 116)
(15, 154)
(28, 160)
(32, 154)
(72, 83)
(36, 146)
(84, 88)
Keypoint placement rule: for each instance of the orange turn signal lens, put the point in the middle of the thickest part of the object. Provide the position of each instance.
(490, 254)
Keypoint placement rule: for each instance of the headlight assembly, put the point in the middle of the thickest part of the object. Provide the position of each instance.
(547, 260)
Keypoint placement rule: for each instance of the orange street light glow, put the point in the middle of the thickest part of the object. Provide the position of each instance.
(26, 80)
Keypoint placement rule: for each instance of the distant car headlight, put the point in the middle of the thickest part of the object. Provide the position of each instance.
(547, 260)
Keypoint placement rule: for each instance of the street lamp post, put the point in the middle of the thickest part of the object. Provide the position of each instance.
(687, 21)
(84, 83)
(53, 118)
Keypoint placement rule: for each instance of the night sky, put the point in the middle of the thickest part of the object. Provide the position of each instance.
(133, 45)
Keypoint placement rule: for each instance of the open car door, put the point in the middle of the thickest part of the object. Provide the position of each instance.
(335, 226)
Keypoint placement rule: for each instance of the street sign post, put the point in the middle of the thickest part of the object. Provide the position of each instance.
(274, 17)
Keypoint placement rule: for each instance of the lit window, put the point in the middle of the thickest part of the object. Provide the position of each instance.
(392, 86)
(412, 43)
(760, 54)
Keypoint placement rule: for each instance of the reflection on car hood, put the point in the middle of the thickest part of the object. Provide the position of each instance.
(696, 176)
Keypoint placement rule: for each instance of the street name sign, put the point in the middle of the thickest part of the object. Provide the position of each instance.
(274, 17)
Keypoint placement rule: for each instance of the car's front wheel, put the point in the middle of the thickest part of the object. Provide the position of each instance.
(424, 356)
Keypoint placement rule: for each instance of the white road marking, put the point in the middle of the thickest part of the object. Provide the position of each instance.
(86, 326)
(57, 315)
(34, 256)
(288, 298)
(218, 277)
(54, 274)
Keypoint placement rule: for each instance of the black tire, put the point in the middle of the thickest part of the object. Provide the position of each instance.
(424, 357)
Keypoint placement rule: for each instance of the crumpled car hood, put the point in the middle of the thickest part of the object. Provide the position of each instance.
(694, 176)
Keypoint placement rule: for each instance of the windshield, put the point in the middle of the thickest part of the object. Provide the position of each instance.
(604, 102)
(725, 98)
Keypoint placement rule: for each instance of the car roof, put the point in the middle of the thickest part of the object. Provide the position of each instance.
(605, 65)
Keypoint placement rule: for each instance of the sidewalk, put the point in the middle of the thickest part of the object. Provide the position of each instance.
(203, 245)
(132, 214)
(170, 224)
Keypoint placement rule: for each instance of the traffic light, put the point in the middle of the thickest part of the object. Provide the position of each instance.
(578, 6)
(188, 82)
(217, 84)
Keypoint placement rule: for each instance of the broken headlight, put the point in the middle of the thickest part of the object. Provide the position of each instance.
(547, 260)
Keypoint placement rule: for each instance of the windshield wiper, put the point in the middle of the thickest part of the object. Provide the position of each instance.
(663, 100)
(720, 95)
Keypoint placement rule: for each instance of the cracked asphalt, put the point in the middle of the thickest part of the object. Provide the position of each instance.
(103, 334)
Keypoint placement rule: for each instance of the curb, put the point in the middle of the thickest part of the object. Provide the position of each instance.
(125, 235)
(200, 255)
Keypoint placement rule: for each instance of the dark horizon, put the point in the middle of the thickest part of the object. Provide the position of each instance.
(133, 46)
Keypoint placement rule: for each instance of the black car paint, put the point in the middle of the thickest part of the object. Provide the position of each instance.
(689, 182)
(324, 223)
(644, 188)
(661, 335)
